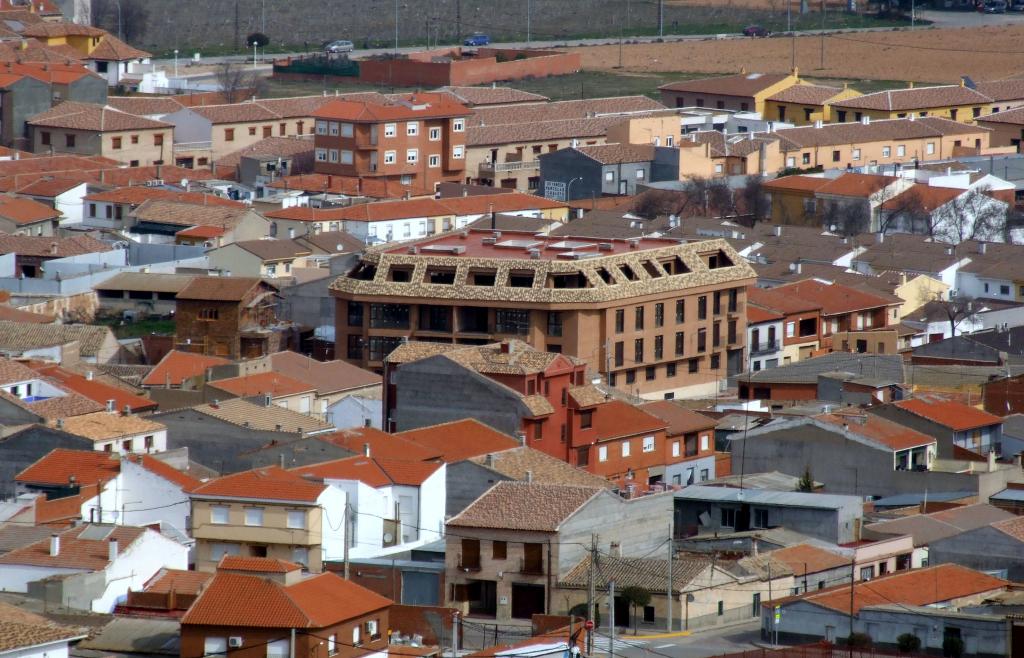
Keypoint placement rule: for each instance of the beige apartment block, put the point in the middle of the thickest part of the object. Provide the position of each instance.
(93, 129)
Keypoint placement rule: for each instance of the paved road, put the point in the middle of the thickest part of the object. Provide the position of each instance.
(699, 645)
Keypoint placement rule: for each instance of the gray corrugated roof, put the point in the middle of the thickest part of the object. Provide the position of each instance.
(886, 367)
(960, 348)
(766, 497)
(144, 636)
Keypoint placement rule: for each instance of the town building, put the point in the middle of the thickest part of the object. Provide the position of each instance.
(608, 169)
(743, 92)
(419, 139)
(997, 547)
(33, 87)
(560, 295)
(99, 51)
(25, 216)
(93, 129)
(806, 104)
(953, 102)
(953, 424)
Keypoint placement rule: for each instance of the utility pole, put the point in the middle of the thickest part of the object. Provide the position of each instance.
(789, 15)
(853, 581)
(611, 619)
(458, 20)
(591, 597)
(772, 636)
(823, 34)
(661, 18)
(348, 537)
(528, 7)
(671, 555)
(396, 26)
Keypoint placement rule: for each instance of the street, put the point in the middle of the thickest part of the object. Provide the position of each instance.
(702, 644)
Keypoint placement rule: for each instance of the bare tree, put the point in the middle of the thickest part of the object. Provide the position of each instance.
(955, 308)
(753, 197)
(848, 216)
(237, 82)
(974, 215)
(906, 213)
(707, 196)
(654, 203)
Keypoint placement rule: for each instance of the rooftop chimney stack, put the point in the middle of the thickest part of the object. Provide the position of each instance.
(366, 450)
(112, 550)
(54, 545)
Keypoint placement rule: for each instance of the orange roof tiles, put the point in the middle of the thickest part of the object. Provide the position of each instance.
(165, 471)
(65, 510)
(138, 194)
(352, 185)
(271, 483)
(93, 117)
(680, 419)
(742, 84)
(60, 465)
(75, 552)
(833, 298)
(885, 432)
(774, 300)
(219, 288)
(916, 98)
(95, 390)
(388, 446)
(858, 185)
(200, 232)
(256, 564)
(272, 383)
(413, 106)
(176, 580)
(929, 197)
(806, 558)
(315, 602)
(757, 314)
(375, 471)
(802, 183)
(178, 366)
(460, 439)
(616, 419)
(957, 416)
(24, 211)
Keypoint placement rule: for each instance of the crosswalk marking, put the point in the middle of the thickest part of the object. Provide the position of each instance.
(601, 644)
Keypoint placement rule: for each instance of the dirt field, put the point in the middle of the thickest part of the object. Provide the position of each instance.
(925, 55)
(773, 5)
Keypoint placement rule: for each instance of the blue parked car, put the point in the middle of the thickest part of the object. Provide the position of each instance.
(477, 39)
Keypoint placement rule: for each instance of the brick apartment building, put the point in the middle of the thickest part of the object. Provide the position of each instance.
(655, 317)
(418, 140)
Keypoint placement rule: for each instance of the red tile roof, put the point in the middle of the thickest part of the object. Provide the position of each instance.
(95, 390)
(20, 210)
(75, 552)
(460, 439)
(806, 558)
(200, 232)
(414, 106)
(856, 185)
(374, 471)
(886, 432)
(757, 314)
(165, 471)
(177, 366)
(918, 587)
(60, 465)
(772, 299)
(833, 298)
(955, 415)
(352, 185)
(65, 510)
(616, 419)
(270, 483)
(680, 419)
(271, 383)
(256, 564)
(381, 444)
(929, 197)
(138, 194)
(315, 602)
(176, 580)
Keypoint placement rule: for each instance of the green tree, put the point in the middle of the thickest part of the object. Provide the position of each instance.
(806, 481)
(908, 643)
(636, 597)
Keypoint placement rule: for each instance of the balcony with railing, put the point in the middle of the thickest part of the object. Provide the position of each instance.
(184, 147)
(491, 168)
(764, 347)
(469, 562)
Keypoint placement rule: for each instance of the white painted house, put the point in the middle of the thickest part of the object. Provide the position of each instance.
(396, 505)
(93, 566)
(764, 338)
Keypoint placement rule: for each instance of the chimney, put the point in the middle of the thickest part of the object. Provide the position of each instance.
(111, 406)
(88, 376)
(819, 123)
(280, 459)
(982, 248)
(112, 550)
(366, 450)
(615, 549)
(267, 400)
(127, 411)
(991, 460)
(753, 546)
(529, 476)
(777, 231)
(880, 237)
(522, 438)
(54, 545)
(489, 460)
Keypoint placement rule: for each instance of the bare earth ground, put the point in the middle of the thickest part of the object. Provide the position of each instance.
(923, 55)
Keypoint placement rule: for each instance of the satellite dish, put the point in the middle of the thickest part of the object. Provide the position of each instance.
(184, 182)
(388, 537)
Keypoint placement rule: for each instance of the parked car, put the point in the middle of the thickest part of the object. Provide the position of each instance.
(1017, 5)
(477, 39)
(755, 31)
(995, 6)
(339, 46)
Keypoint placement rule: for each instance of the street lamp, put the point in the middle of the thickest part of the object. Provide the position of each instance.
(568, 188)
(120, 32)
(175, 62)
(255, 44)
(396, 27)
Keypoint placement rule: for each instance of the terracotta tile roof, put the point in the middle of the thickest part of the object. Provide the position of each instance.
(617, 419)
(420, 105)
(315, 602)
(270, 483)
(270, 418)
(644, 572)
(325, 376)
(460, 439)
(332, 242)
(802, 183)
(957, 416)
(26, 211)
(11, 314)
(477, 96)
(77, 551)
(49, 186)
(756, 314)
(519, 359)
(177, 366)
(177, 580)
(112, 49)
(742, 84)
(533, 113)
(1014, 117)
(541, 130)
(807, 558)
(59, 465)
(93, 117)
(542, 468)
(165, 471)
(874, 131)
(887, 433)
(168, 211)
(145, 105)
(17, 635)
(916, 98)
(835, 298)
(721, 145)
(1011, 527)
(269, 250)
(618, 153)
(267, 109)
(67, 510)
(200, 232)
(62, 29)
(138, 194)
(680, 419)
(923, 587)
(587, 396)
(856, 185)
(41, 245)
(219, 288)
(269, 147)
(62, 406)
(274, 384)
(772, 299)
(927, 197)
(146, 281)
(256, 564)
(806, 94)
(927, 528)
(14, 371)
(96, 391)
(374, 471)
(48, 67)
(527, 506)
(349, 185)
(381, 444)
(1002, 90)
(104, 426)
(389, 210)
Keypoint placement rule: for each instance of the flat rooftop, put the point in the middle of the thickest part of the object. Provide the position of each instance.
(485, 243)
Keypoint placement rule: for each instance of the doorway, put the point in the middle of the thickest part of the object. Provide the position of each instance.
(527, 600)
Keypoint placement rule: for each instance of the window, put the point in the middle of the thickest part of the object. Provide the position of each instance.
(638, 323)
(296, 519)
(332, 644)
(215, 646)
(702, 307)
(321, 127)
(602, 453)
(715, 362)
(69, 141)
(435, 134)
(135, 139)
(901, 150)
(929, 148)
(791, 162)
(638, 350)
(856, 154)
(499, 550)
(835, 156)
(886, 151)
(252, 131)
(278, 649)
(675, 448)
(229, 134)
(805, 158)
(389, 157)
(704, 442)
(390, 129)
(412, 128)
(373, 629)
(680, 343)
(867, 573)
(790, 329)
(434, 161)
(620, 320)
(1004, 290)
(702, 340)
(659, 348)
(728, 518)
(357, 635)
(640, 174)
(412, 156)
(219, 514)
(538, 431)
(648, 444)
(511, 321)
(625, 448)
(680, 310)
(254, 516)
(44, 138)
(760, 518)
(458, 125)
(609, 176)
(620, 356)
(586, 419)
(631, 376)
(458, 152)
(332, 155)
(115, 142)
(650, 373)
(158, 140)
(333, 129)
(659, 315)
(670, 370)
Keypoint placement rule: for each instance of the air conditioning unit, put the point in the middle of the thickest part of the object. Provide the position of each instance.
(235, 641)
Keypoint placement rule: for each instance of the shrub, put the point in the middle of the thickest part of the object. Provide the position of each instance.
(908, 643)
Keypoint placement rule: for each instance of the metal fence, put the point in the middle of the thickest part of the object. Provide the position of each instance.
(820, 650)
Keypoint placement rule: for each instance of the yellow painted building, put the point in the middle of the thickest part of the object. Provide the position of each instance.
(804, 104)
(744, 92)
(956, 102)
(918, 291)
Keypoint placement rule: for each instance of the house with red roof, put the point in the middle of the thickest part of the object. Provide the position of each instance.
(396, 505)
(182, 370)
(91, 567)
(280, 389)
(256, 607)
(953, 424)
(764, 337)
(268, 513)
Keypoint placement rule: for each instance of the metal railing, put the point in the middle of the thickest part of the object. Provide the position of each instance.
(764, 347)
(192, 146)
(491, 167)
